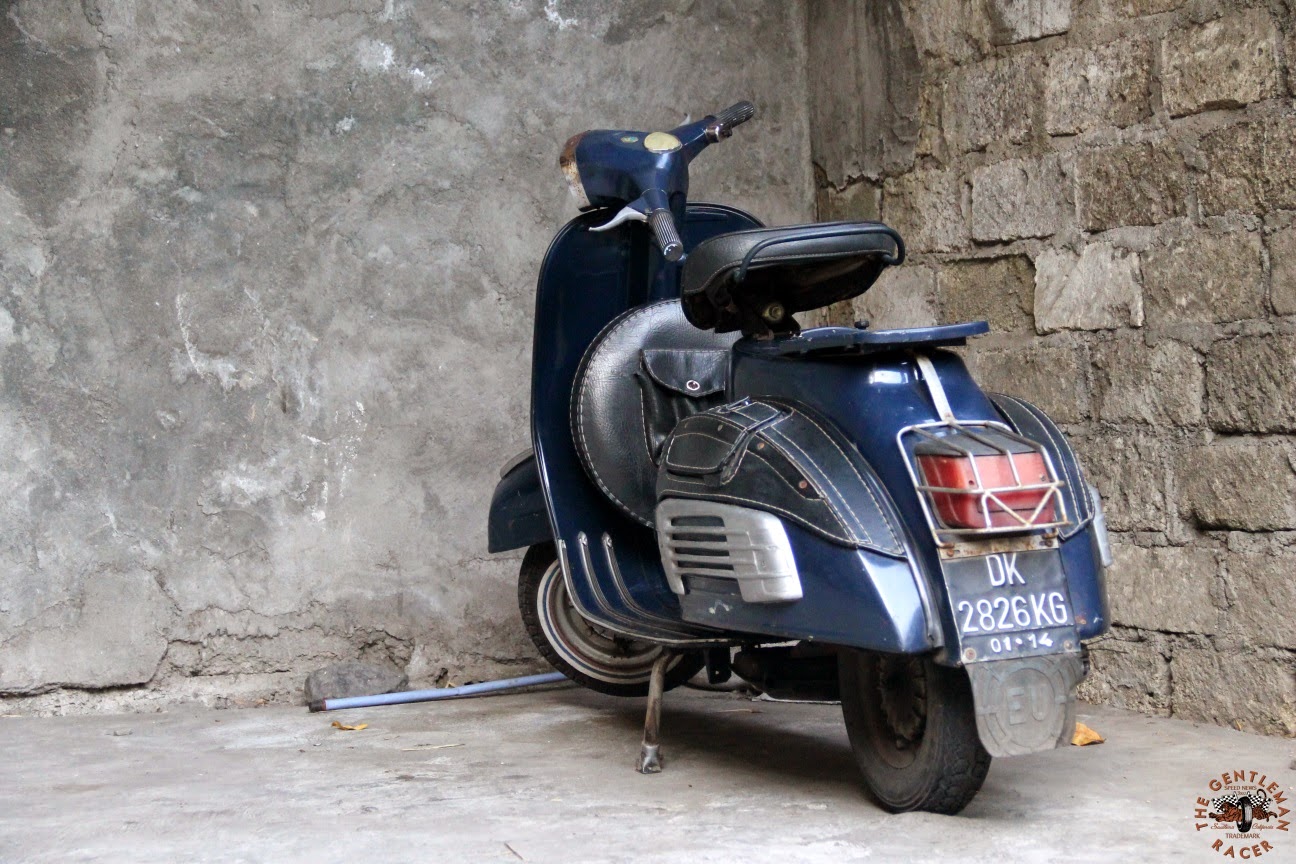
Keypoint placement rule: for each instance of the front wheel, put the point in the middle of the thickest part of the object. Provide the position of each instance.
(586, 653)
(912, 726)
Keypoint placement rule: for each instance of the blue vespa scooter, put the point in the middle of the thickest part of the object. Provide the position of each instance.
(843, 506)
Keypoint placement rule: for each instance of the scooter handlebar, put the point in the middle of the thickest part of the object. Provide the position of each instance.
(725, 121)
(663, 227)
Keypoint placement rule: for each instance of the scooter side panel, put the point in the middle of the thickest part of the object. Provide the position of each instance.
(1087, 584)
(872, 398)
(612, 565)
(852, 597)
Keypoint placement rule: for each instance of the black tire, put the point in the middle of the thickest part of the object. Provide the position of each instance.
(584, 652)
(1248, 815)
(912, 726)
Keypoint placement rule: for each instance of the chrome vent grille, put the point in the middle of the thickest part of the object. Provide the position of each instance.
(722, 549)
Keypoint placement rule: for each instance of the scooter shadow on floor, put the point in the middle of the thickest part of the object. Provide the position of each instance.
(716, 734)
(726, 733)
(817, 761)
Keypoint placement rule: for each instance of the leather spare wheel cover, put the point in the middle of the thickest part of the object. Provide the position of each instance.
(626, 399)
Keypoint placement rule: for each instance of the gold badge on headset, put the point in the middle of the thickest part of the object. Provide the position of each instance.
(662, 142)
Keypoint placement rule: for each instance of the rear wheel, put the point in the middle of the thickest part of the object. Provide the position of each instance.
(913, 729)
(583, 651)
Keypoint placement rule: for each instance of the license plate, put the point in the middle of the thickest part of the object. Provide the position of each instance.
(1010, 604)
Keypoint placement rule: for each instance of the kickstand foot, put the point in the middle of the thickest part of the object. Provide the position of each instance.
(650, 753)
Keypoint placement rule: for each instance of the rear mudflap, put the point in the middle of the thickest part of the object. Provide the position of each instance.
(1026, 704)
(1014, 629)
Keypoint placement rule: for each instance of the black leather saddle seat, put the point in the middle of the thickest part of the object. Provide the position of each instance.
(755, 280)
(648, 369)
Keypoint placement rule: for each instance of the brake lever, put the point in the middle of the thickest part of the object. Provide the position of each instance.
(629, 213)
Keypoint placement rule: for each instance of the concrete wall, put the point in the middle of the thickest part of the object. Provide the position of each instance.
(266, 282)
(1112, 184)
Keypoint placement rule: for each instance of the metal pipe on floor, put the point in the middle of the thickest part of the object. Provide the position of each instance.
(501, 686)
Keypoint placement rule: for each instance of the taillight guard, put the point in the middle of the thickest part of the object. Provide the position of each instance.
(980, 479)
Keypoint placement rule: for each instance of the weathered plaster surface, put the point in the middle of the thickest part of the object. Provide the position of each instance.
(266, 275)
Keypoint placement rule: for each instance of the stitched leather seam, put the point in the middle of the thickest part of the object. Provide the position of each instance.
(686, 479)
(765, 424)
(823, 499)
(1012, 421)
(580, 412)
(736, 468)
(848, 536)
(836, 511)
(644, 428)
(744, 404)
(827, 477)
(719, 418)
(774, 471)
(837, 492)
(882, 511)
(675, 463)
(741, 427)
(1073, 479)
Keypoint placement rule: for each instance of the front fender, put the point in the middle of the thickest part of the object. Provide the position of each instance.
(518, 517)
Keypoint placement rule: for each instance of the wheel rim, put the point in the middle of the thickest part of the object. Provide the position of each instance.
(590, 649)
(898, 713)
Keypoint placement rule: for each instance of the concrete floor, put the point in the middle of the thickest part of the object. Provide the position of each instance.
(548, 777)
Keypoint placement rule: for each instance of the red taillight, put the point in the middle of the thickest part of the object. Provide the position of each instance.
(983, 491)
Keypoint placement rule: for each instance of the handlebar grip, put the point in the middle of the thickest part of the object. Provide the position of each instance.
(726, 120)
(736, 114)
(663, 226)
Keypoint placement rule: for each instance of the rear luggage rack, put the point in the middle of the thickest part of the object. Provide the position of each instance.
(980, 479)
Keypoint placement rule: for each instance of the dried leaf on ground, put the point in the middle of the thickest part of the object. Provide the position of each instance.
(1084, 735)
(337, 724)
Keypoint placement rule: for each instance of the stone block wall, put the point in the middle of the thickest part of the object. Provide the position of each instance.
(1112, 184)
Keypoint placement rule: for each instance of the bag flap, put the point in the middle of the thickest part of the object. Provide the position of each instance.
(688, 373)
(707, 443)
